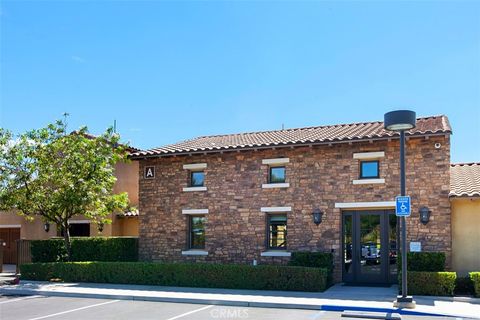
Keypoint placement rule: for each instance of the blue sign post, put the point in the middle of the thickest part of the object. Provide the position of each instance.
(402, 206)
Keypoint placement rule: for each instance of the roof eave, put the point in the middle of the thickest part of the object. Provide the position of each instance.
(464, 196)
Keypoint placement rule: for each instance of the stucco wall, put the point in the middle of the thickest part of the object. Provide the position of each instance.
(28, 229)
(127, 181)
(466, 235)
(319, 177)
(127, 226)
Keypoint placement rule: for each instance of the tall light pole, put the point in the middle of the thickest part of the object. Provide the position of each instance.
(400, 121)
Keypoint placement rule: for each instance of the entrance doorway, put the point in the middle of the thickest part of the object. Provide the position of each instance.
(369, 242)
(9, 236)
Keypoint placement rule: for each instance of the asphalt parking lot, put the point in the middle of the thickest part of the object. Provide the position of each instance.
(40, 307)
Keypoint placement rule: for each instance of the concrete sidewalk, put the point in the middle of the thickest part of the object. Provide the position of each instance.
(337, 298)
(7, 274)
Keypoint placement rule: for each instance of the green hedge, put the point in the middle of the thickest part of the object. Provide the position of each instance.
(475, 276)
(263, 277)
(86, 249)
(52, 250)
(314, 260)
(431, 283)
(424, 261)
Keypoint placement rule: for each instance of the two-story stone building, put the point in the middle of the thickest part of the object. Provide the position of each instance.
(257, 197)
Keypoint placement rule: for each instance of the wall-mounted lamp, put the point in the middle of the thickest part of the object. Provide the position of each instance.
(46, 226)
(100, 226)
(424, 215)
(317, 216)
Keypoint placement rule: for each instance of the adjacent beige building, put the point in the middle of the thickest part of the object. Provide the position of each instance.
(465, 203)
(14, 226)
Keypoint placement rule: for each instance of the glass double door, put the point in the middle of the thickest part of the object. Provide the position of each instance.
(369, 242)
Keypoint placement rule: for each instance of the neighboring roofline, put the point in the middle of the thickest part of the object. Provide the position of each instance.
(395, 136)
(89, 135)
(464, 196)
(461, 164)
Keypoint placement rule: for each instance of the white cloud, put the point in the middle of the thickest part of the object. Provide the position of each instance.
(78, 59)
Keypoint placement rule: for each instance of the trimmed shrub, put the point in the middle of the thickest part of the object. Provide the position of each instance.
(86, 249)
(314, 260)
(424, 261)
(52, 250)
(475, 277)
(464, 286)
(431, 283)
(263, 277)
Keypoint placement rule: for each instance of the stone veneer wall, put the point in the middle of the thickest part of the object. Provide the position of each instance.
(319, 176)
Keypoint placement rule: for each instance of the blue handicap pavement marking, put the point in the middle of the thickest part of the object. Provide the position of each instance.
(402, 205)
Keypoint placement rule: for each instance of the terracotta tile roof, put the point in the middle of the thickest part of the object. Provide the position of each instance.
(465, 180)
(129, 149)
(300, 136)
(130, 213)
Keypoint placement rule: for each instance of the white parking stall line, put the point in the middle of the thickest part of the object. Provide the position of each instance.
(190, 312)
(73, 310)
(19, 299)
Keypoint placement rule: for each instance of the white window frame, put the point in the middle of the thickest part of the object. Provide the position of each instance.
(275, 253)
(368, 181)
(369, 155)
(275, 209)
(275, 185)
(195, 252)
(195, 166)
(276, 161)
(193, 189)
(194, 211)
(359, 205)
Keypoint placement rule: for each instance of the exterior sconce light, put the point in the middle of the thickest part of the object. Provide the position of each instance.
(100, 227)
(317, 216)
(46, 226)
(424, 215)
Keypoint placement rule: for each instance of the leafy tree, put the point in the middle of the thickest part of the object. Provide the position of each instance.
(55, 175)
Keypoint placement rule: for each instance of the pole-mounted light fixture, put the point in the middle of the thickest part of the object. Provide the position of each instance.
(317, 216)
(401, 120)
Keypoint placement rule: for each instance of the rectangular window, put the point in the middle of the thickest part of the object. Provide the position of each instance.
(369, 169)
(78, 230)
(197, 178)
(197, 232)
(277, 231)
(277, 175)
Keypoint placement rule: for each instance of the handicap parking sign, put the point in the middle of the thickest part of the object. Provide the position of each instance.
(402, 206)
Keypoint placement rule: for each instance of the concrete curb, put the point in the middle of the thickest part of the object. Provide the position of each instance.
(220, 302)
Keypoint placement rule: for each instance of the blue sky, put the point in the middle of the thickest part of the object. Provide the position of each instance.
(168, 71)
